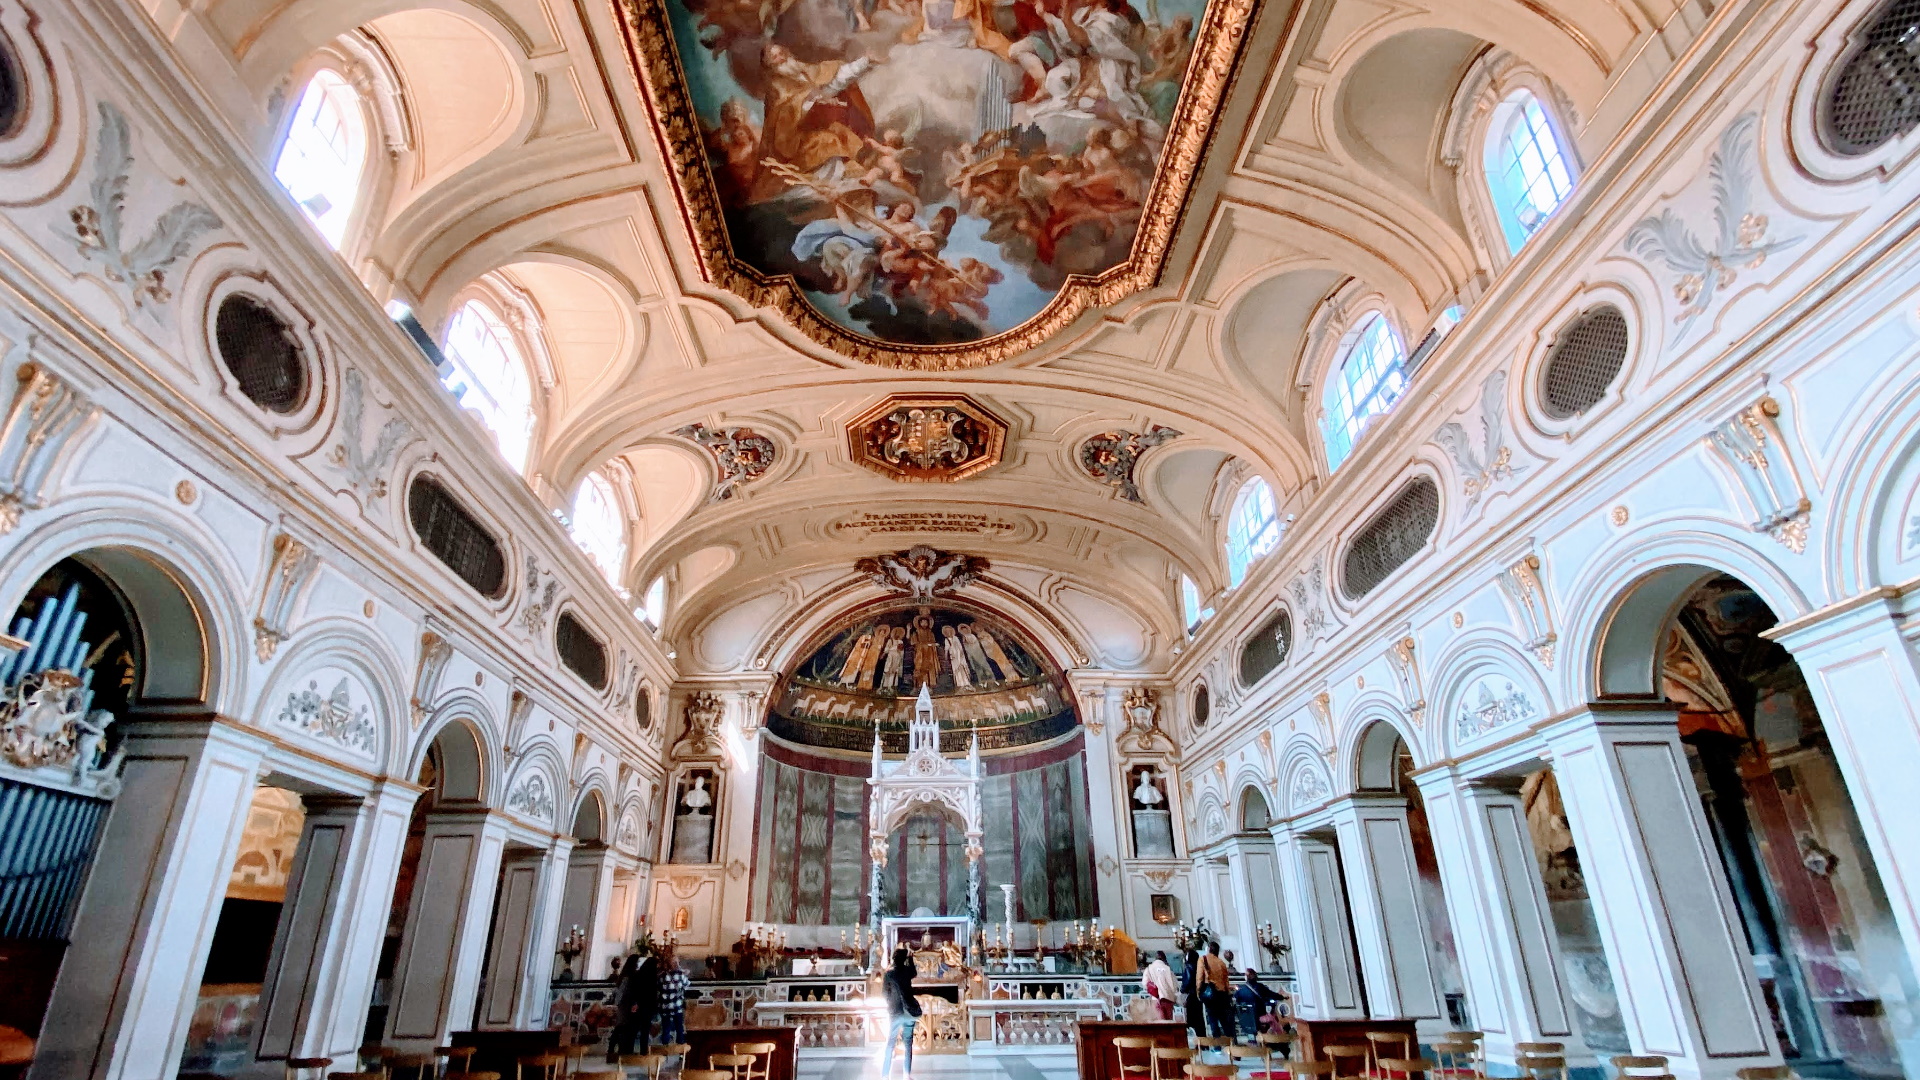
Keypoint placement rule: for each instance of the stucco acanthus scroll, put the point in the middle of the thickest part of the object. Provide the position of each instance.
(1491, 460)
(1309, 588)
(1526, 593)
(1739, 241)
(43, 421)
(365, 466)
(98, 223)
(1752, 446)
(542, 595)
(435, 651)
(293, 565)
(922, 571)
(532, 798)
(333, 718)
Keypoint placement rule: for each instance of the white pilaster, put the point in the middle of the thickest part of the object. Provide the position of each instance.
(1383, 894)
(437, 973)
(320, 978)
(1865, 680)
(1497, 904)
(589, 903)
(525, 933)
(1679, 957)
(128, 984)
(1107, 803)
(1327, 973)
(1253, 880)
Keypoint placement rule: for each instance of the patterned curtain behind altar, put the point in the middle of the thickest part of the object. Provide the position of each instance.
(810, 843)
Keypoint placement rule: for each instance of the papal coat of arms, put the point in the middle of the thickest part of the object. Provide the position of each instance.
(927, 437)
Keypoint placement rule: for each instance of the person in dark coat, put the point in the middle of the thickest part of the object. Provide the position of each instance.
(903, 1010)
(1190, 992)
(639, 995)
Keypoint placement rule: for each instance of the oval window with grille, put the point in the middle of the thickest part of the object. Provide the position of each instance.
(13, 91)
(1394, 535)
(260, 350)
(580, 651)
(1266, 648)
(1583, 362)
(455, 537)
(1872, 100)
(1202, 705)
(642, 709)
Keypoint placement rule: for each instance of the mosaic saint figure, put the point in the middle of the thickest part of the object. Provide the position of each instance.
(957, 659)
(991, 646)
(850, 671)
(872, 662)
(926, 651)
(976, 658)
(895, 656)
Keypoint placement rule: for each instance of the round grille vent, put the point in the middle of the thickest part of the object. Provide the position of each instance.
(582, 653)
(453, 536)
(1396, 534)
(1266, 648)
(260, 350)
(1202, 705)
(1584, 362)
(13, 91)
(1875, 97)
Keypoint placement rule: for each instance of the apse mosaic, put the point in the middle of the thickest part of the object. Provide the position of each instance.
(934, 183)
(982, 674)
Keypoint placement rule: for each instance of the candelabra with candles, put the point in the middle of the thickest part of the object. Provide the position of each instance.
(761, 947)
(571, 947)
(1276, 948)
(1087, 945)
(1195, 936)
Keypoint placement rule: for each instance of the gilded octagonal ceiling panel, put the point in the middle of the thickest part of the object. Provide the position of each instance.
(933, 184)
(927, 438)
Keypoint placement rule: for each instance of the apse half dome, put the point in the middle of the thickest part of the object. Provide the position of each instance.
(986, 676)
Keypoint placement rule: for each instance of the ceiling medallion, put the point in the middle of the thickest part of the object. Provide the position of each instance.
(933, 184)
(927, 438)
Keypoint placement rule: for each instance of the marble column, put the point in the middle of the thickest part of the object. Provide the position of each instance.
(320, 977)
(436, 975)
(1497, 904)
(130, 978)
(1327, 972)
(1865, 680)
(525, 931)
(1383, 893)
(1679, 957)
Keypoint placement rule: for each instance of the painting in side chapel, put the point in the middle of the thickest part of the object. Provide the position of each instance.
(933, 173)
(982, 674)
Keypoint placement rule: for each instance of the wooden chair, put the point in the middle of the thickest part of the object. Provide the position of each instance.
(1457, 1057)
(650, 1065)
(1384, 1044)
(485, 1075)
(545, 1066)
(1124, 1043)
(1170, 1062)
(761, 1067)
(576, 1055)
(1204, 1043)
(1251, 1056)
(1549, 1048)
(602, 1074)
(459, 1058)
(1303, 1069)
(356, 1076)
(1541, 1066)
(1276, 1044)
(1638, 1066)
(1349, 1059)
(1212, 1072)
(735, 1064)
(1765, 1072)
(1393, 1068)
(413, 1066)
(375, 1058)
(705, 1074)
(297, 1068)
(678, 1050)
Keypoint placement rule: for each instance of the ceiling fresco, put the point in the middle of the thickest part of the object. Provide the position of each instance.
(934, 184)
(983, 674)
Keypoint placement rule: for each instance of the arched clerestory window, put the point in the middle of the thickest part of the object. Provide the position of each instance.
(1253, 527)
(653, 606)
(1526, 167)
(323, 159)
(1366, 382)
(599, 525)
(488, 376)
(1192, 609)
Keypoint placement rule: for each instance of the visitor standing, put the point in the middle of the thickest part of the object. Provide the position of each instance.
(1161, 986)
(673, 998)
(639, 996)
(1190, 992)
(1215, 983)
(903, 1011)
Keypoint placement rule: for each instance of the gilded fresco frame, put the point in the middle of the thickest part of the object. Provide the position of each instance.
(654, 58)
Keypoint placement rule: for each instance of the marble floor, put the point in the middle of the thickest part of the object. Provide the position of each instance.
(1042, 1064)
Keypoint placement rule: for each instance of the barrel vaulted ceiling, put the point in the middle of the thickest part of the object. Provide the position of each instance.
(518, 159)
